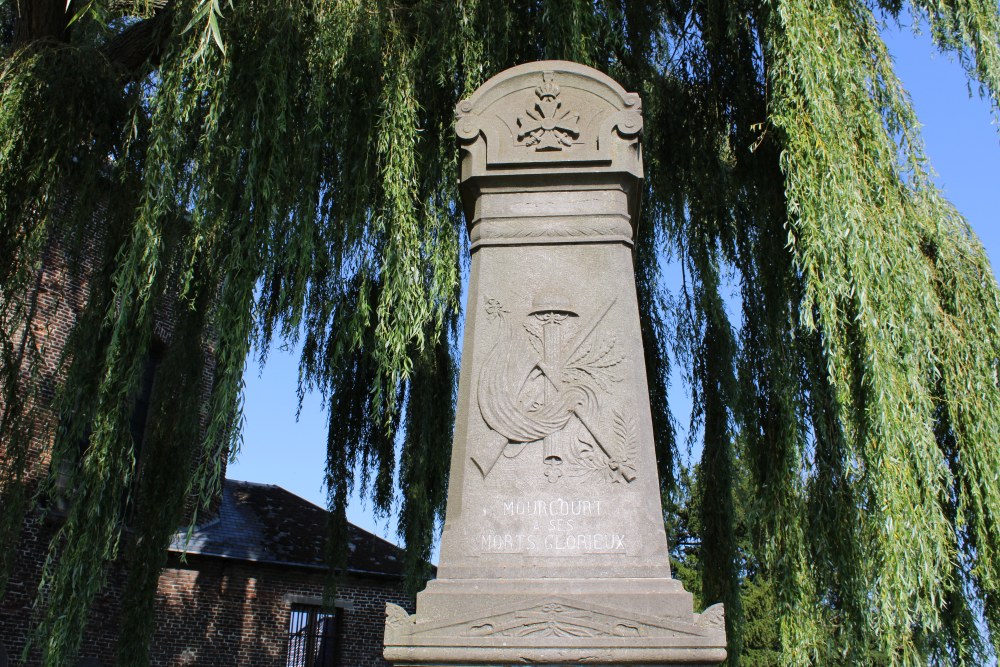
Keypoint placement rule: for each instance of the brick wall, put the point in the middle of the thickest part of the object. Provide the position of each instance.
(214, 611)
(59, 297)
(17, 614)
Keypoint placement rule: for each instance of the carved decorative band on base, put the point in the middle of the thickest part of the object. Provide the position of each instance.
(555, 630)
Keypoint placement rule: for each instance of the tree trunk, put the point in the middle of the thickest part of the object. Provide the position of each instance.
(40, 19)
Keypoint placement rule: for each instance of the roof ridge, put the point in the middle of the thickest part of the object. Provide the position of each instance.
(249, 483)
(267, 523)
(324, 509)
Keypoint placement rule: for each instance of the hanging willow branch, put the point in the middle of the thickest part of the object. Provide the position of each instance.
(285, 171)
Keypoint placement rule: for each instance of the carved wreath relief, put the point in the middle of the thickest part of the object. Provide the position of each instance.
(553, 619)
(547, 126)
(551, 383)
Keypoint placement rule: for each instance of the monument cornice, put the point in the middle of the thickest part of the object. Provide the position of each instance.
(551, 121)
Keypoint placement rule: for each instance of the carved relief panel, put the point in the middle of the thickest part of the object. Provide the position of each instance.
(553, 117)
(550, 384)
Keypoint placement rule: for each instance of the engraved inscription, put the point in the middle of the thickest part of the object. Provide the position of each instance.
(556, 527)
(601, 543)
(557, 507)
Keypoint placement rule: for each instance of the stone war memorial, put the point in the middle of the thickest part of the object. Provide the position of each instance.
(553, 550)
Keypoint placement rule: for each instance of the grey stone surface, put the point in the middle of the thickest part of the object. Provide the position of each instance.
(553, 550)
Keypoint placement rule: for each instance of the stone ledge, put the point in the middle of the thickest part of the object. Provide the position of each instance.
(441, 656)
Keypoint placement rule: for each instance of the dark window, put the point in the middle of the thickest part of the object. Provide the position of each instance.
(140, 411)
(137, 427)
(313, 637)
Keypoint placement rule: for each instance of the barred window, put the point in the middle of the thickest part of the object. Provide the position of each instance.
(312, 637)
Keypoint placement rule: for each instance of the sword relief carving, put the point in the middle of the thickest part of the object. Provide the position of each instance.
(550, 384)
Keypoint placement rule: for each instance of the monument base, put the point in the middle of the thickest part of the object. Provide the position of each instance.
(637, 622)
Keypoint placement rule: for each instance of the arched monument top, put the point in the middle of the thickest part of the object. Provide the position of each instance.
(550, 114)
(525, 75)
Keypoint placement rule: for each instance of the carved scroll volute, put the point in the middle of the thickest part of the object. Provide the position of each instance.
(466, 125)
(565, 116)
(398, 621)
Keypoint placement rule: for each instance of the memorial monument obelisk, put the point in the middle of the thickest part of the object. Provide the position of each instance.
(553, 550)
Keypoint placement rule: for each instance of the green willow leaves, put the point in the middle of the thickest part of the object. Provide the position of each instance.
(260, 172)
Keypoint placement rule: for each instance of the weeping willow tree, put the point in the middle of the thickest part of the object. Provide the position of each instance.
(284, 171)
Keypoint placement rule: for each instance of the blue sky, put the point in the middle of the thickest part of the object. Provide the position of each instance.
(961, 140)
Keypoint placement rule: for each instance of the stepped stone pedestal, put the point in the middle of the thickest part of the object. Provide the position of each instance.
(553, 550)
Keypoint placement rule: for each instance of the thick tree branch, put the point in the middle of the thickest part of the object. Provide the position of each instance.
(40, 19)
(141, 42)
(129, 50)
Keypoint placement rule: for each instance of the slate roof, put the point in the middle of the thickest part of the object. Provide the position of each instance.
(264, 523)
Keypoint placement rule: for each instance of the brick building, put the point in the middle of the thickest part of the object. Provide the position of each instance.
(249, 590)
(252, 585)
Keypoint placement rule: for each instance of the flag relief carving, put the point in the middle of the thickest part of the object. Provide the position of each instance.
(549, 387)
